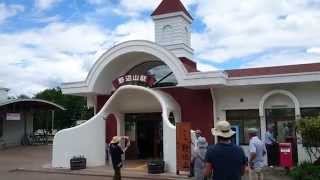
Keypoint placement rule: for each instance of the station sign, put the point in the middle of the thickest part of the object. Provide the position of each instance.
(134, 79)
(13, 116)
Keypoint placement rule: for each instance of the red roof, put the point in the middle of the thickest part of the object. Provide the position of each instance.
(190, 65)
(170, 6)
(289, 69)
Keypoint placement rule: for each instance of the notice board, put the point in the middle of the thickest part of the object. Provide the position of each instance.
(183, 146)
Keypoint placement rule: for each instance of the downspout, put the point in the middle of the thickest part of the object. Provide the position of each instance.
(214, 111)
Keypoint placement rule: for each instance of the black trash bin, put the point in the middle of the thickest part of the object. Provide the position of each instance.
(77, 163)
(155, 167)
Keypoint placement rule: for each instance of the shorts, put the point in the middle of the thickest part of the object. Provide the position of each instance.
(258, 171)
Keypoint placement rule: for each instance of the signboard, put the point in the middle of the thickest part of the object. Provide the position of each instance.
(183, 146)
(13, 117)
(236, 138)
(134, 79)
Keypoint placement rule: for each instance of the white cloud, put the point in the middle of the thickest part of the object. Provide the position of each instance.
(7, 11)
(205, 67)
(283, 58)
(237, 29)
(39, 58)
(45, 4)
(315, 50)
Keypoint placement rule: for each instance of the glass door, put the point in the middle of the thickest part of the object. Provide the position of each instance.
(283, 124)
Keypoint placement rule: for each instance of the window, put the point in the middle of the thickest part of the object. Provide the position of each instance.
(167, 32)
(1, 126)
(310, 112)
(244, 119)
(172, 119)
(161, 72)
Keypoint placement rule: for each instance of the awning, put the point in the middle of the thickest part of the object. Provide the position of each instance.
(30, 104)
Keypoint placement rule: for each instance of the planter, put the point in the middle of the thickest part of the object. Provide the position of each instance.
(77, 163)
(155, 167)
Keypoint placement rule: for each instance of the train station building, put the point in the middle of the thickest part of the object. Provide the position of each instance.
(141, 89)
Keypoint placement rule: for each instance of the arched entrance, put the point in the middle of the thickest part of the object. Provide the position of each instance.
(280, 109)
(126, 99)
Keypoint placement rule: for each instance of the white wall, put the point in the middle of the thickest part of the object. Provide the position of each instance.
(88, 139)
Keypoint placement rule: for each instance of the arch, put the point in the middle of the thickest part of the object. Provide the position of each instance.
(79, 140)
(111, 63)
(283, 92)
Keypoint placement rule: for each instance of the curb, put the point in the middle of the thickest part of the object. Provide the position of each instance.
(79, 173)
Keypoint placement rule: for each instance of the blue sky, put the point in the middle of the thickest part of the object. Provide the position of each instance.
(46, 42)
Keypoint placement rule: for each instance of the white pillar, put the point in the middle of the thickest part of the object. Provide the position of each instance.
(263, 127)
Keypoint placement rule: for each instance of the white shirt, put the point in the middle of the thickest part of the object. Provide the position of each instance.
(257, 146)
(269, 139)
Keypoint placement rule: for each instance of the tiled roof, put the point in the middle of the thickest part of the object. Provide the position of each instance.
(289, 69)
(170, 6)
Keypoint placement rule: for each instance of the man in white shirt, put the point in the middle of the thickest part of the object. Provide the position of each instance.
(257, 151)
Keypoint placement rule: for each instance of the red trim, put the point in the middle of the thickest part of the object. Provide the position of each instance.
(111, 127)
(289, 69)
(190, 65)
(170, 6)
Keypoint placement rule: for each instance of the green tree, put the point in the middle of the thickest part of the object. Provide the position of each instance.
(309, 129)
(75, 106)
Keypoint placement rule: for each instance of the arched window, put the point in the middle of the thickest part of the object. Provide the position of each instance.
(161, 72)
(187, 35)
(167, 33)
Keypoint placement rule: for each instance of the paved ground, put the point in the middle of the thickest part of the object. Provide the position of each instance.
(32, 162)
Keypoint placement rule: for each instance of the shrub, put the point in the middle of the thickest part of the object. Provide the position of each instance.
(309, 129)
(306, 171)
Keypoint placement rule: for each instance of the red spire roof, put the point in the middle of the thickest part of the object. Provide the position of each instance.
(170, 6)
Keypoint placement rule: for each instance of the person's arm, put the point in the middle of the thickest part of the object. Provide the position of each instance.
(128, 144)
(253, 154)
(207, 169)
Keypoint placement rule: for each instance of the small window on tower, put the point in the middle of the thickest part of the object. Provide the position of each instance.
(167, 33)
(187, 36)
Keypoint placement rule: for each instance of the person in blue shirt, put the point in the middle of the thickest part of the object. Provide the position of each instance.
(271, 145)
(226, 161)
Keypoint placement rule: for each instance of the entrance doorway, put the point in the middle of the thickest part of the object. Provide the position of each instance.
(282, 121)
(145, 132)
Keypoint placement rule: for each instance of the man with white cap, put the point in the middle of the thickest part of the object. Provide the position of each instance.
(225, 160)
(257, 151)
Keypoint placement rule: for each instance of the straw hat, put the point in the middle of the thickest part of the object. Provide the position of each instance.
(222, 129)
(115, 139)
